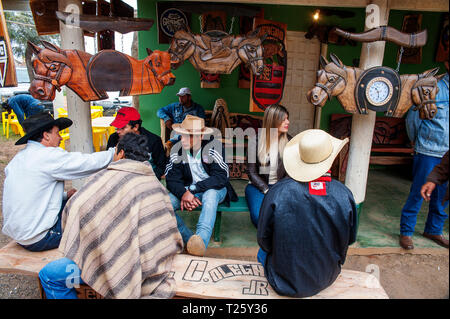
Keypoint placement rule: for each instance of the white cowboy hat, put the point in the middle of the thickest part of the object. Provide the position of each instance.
(192, 125)
(310, 154)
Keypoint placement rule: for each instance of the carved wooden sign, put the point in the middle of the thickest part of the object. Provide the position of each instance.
(336, 79)
(217, 51)
(91, 76)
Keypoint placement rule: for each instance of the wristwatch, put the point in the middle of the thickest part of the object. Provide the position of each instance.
(192, 188)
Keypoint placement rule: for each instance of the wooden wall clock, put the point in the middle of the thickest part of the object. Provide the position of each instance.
(378, 90)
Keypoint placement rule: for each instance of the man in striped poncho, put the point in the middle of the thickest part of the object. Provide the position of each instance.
(120, 234)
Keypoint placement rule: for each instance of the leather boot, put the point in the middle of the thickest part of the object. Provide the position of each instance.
(438, 239)
(406, 242)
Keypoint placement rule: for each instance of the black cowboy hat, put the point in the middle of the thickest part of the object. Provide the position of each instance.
(41, 122)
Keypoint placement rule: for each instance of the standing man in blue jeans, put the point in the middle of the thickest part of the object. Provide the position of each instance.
(175, 113)
(197, 175)
(430, 138)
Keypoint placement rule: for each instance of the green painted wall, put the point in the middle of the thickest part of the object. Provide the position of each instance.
(298, 18)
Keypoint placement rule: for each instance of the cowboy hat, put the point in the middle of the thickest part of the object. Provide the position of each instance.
(192, 125)
(41, 122)
(310, 154)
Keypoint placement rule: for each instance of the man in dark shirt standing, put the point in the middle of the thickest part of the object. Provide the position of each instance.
(129, 120)
(307, 220)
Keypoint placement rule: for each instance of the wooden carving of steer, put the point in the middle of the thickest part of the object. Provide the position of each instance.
(91, 76)
(336, 79)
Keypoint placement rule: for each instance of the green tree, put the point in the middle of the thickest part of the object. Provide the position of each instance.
(21, 29)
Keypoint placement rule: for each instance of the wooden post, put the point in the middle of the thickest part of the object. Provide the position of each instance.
(377, 13)
(77, 110)
(318, 110)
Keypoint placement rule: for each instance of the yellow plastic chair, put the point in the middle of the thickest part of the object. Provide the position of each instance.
(13, 122)
(96, 111)
(4, 121)
(65, 136)
(98, 135)
(61, 112)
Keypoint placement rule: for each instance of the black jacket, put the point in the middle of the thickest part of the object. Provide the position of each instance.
(306, 236)
(178, 173)
(156, 151)
(261, 181)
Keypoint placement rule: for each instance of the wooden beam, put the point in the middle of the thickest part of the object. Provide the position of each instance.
(78, 111)
(409, 5)
(377, 13)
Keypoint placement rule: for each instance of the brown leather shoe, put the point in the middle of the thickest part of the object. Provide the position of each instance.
(406, 242)
(195, 246)
(438, 239)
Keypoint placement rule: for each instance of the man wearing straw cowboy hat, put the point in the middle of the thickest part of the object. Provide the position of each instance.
(33, 195)
(197, 175)
(307, 220)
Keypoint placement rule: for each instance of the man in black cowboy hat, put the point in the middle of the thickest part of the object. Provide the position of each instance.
(33, 195)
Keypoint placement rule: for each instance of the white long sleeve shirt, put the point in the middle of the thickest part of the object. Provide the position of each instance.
(34, 187)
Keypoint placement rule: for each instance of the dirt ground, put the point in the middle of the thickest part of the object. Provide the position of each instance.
(403, 276)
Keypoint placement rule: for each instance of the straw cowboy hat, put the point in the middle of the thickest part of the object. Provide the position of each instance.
(310, 154)
(41, 122)
(192, 125)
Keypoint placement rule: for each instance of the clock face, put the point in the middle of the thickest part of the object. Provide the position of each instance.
(379, 91)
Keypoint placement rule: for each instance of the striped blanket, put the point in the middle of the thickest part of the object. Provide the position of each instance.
(121, 231)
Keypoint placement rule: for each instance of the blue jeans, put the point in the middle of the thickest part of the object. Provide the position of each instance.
(59, 279)
(254, 199)
(210, 200)
(52, 238)
(422, 167)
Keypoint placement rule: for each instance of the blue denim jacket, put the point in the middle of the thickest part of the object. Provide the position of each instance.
(176, 112)
(430, 137)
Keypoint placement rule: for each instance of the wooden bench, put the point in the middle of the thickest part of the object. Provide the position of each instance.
(390, 143)
(203, 277)
(239, 206)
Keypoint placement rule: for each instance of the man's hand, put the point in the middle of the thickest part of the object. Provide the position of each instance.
(189, 201)
(71, 192)
(426, 190)
(169, 124)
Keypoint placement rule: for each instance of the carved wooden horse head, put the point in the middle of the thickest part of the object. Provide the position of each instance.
(217, 51)
(52, 69)
(336, 79)
(424, 91)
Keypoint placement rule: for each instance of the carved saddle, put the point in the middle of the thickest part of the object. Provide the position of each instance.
(215, 44)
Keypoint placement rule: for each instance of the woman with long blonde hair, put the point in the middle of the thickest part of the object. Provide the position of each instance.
(268, 168)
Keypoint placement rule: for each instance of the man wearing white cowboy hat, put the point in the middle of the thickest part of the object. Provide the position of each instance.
(197, 175)
(307, 220)
(33, 195)
(175, 113)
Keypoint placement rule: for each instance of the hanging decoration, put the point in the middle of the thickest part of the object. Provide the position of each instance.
(217, 51)
(91, 76)
(210, 21)
(245, 25)
(443, 43)
(7, 67)
(267, 87)
(412, 55)
(378, 89)
(170, 20)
